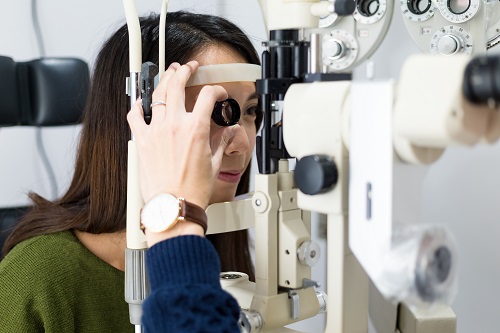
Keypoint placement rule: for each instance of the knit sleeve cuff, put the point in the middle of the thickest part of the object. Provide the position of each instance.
(182, 260)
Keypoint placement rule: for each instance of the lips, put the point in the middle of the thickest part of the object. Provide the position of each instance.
(230, 176)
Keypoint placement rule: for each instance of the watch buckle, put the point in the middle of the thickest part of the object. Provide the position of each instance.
(182, 209)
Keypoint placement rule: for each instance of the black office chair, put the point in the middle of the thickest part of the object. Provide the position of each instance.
(42, 92)
(8, 219)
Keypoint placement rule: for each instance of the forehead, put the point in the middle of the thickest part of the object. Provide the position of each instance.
(220, 54)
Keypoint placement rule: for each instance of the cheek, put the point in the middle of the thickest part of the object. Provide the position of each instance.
(251, 135)
(215, 133)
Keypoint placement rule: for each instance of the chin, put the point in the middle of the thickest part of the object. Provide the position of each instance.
(223, 192)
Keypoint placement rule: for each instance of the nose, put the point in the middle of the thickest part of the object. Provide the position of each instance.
(239, 143)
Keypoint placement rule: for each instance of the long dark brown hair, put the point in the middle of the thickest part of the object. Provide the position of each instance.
(96, 199)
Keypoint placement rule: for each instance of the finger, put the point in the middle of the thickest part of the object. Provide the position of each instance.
(206, 100)
(158, 112)
(135, 118)
(176, 87)
(159, 94)
(161, 88)
(173, 65)
(219, 142)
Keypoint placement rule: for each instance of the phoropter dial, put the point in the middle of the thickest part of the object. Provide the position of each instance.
(458, 11)
(328, 20)
(325, 22)
(451, 40)
(369, 11)
(339, 50)
(417, 10)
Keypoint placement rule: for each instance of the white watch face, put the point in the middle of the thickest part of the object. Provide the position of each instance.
(160, 213)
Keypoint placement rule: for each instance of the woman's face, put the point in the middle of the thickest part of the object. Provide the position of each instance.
(238, 153)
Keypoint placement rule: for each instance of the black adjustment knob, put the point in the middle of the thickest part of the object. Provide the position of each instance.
(344, 7)
(316, 174)
(432, 273)
(481, 82)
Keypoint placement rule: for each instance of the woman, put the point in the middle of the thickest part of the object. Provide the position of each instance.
(64, 262)
(182, 266)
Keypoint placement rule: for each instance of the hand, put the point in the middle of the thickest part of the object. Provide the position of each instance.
(176, 153)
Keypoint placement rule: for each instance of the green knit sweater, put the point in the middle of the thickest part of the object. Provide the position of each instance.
(53, 283)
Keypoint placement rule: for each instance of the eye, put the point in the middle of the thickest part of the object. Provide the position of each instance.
(253, 111)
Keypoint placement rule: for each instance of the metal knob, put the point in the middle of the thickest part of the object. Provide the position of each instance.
(308, 253)
(448, 45)
(250, 321)
(433, 273)
(323, 301)
(334, 49)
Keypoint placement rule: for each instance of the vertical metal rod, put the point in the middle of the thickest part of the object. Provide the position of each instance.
(265, 167)
(315, 61)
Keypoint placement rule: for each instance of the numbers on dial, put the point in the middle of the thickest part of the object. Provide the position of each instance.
(369, 11)
(339, 50)
(326, 21)
(417, 10)
(458, 11)
(450, 40)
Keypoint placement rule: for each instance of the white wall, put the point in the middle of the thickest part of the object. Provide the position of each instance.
(462, 190)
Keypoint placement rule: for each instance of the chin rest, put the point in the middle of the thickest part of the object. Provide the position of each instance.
(43, 92)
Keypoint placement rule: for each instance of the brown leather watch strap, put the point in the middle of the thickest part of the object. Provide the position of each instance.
(193, 213)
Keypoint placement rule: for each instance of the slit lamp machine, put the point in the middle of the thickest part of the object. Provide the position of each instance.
(350, 139)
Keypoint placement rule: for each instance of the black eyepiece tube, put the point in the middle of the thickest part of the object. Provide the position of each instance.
(481, 84)
(226, 113)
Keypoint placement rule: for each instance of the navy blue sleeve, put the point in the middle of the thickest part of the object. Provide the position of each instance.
(185, 294)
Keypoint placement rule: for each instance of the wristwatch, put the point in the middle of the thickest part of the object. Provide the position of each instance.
(164, 211)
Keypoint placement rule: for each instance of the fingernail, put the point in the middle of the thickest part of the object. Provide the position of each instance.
(193, 64)
(174, 65)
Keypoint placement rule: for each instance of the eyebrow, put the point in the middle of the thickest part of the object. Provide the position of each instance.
(253, 96)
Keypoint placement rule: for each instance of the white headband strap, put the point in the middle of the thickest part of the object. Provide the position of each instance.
(237, 72)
